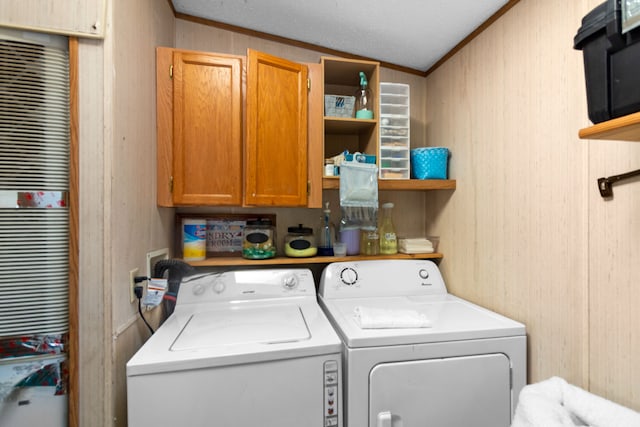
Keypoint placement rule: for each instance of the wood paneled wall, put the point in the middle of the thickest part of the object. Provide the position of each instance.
(92, 309)
(614, 288)
(119, 220)
(134, 222)
(526, 232)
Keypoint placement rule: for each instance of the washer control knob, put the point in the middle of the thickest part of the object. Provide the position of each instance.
(219, 287)
(423, 273)
(290, 282)
(198, 289)
(349, 276)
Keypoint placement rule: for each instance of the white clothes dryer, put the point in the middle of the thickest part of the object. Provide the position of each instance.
(416, 355)
(242, 348)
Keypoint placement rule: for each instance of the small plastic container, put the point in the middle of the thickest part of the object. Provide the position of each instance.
(360, 157)
(429, 163)
(611, 59)
(393, 122)
(339, 249)
(398, 173)
(194, 239)
(300, 242)
(329, 167)
(339, 106)
(259, 239)
(350, 236)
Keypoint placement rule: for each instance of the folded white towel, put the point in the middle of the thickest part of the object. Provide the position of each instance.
(381, 318)
(415, 246)
(414, 240)
(556, 403)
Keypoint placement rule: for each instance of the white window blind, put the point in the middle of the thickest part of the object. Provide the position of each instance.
(34, 163)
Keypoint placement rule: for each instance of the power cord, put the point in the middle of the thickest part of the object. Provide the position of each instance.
(138, 290)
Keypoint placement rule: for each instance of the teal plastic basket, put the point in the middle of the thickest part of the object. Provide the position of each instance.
(429, 163)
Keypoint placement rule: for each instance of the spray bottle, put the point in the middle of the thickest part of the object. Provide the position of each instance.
(364, 99)
(327, 233)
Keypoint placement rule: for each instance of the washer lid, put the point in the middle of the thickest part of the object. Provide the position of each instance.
(234, 334)
(242, 326)
(451, 319)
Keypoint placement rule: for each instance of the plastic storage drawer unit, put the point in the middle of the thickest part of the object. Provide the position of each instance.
(394, 131)
(611, 63)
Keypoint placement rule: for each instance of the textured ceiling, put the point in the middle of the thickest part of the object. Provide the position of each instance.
(409, 33)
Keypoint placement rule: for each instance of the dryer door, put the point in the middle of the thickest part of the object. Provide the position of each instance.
(451, 392)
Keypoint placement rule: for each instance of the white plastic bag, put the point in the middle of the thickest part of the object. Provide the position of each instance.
(359, 193)
(358, 184)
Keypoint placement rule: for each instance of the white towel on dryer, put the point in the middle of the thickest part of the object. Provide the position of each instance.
(383, 318)
(556, 403)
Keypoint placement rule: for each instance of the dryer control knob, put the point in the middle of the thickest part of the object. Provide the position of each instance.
(423, 273)
(349, 276)
(198, 289)
(290, 282)
(219, 287)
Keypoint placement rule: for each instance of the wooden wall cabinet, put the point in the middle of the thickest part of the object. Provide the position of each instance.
(235, 131)
(341, 77)
(199, 120)
(276, 143)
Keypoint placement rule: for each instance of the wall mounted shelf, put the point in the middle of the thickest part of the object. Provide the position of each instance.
(626, 128)
(238, 261)
(338, 125)
(333, 183)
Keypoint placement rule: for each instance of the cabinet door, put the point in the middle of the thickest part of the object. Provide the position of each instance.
(207, 129)
(276, 140)
(315, 136)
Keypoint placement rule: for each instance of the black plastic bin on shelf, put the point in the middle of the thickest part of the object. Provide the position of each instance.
(611, 63)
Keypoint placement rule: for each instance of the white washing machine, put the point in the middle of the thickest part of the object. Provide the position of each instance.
(243, 348)
(416, 355)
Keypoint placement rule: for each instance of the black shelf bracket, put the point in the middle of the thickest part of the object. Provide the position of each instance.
(604, 184)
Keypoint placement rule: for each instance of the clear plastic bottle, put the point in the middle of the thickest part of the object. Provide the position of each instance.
(388, 238)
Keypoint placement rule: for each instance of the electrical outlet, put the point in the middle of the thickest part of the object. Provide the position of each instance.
(132, 284)
(152, 258)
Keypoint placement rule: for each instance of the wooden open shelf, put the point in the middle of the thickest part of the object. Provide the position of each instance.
(338, 125)
(236, 261)
(333, 183)
(626, 128)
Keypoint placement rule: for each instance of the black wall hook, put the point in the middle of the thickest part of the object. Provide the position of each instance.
(604, 184)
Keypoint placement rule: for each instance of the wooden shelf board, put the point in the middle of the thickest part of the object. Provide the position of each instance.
(333, 183)
(626, 128)
(339, 125)
(237, 261)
